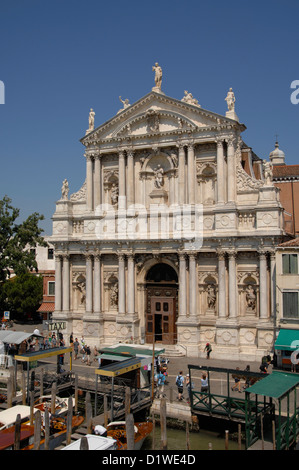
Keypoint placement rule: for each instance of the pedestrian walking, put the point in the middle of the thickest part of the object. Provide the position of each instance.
(160, 384)
(208, 349)
(189, 386)
(88, 353)
(76, 348)
(237, 379)
(179, 381)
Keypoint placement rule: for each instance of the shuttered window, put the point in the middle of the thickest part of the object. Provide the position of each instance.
(290, 264)
(290, 305)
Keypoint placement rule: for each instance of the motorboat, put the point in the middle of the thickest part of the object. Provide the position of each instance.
(117, 430)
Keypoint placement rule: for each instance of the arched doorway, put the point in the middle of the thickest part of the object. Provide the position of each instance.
(162, 304)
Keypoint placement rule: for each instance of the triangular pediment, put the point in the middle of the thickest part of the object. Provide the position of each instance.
(157, 113)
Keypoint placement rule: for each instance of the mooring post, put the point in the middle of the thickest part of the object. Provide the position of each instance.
(17, 432)
(23, 388)
(76, 393)
(31, 407)
(47, 429)
(9, 392)
(88, 412)
(163, 424)
(69, 420)
(153, 432)
(187, 436)
(37, 430)
(127, 401)
(226, 440)
(53, 397)
(130, 431)
(105, 410)
(41, 381)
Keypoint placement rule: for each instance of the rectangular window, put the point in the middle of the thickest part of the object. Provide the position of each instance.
(291, 304)
(290, 264)
(50, 253)
(51, 288)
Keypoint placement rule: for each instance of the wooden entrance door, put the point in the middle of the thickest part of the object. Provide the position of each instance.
(160, 320)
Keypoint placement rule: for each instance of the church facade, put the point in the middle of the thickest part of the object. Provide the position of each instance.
(172, 237)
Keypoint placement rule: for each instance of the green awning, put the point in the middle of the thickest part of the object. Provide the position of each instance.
(288, 340)
(113, 357)
(275, 385)
(131, 350)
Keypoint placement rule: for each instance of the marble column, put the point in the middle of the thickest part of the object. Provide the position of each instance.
(121, 285)
(182, 286)
(121, 180)
(130, 179)
(97, 182)
(192, 284)
(273, 284)
(263, 285)
(232, 284)
(89, 286)
(66, 283)
(231, 170)
(221, 285)
(89, 182)
(97, 283)
(220, 172)
(58, 283)
(191, 174)
(131, 284)
(181, 176)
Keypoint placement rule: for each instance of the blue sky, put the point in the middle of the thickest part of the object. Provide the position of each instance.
(59, 58)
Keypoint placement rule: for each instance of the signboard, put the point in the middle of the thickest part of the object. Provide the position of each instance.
(7, 315)
(57, 325)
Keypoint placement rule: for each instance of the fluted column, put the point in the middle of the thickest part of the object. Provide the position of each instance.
(232, 284)
(89, 182)
(121, 285)
(130, 180)
(263, 286)
(58, 284)
(121, 180)
(131, 284)
(89, 286)
(221, 285)
(220, 172)
(182, 286)
(191, 174)
(66, 283)
(192, 284)
(97, 181)
(231, 170)
(97, 283)
(181, 177)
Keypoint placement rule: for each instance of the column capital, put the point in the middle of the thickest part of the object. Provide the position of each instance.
(232, 254)
(221, 253)
(231, 139)
(219, 141)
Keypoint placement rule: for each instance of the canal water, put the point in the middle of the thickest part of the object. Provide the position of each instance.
(176, 440)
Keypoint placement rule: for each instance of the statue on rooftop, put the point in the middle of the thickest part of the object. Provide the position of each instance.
(158, 75)
(230, 100)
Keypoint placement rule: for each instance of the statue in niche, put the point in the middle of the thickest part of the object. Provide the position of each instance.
(114, 194)
(158, 75)
(91, 120)
(65, 190)
(230, 100)
(81, 286)
(159, 177)
(114, 295)
(250, 297)
(211, 297)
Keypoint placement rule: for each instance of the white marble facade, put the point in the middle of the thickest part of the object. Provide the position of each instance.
(166, 156)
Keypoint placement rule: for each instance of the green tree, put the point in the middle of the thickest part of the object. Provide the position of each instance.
(23, 294)
(17, 240)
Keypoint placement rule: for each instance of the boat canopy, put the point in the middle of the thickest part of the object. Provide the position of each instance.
(287, 340)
